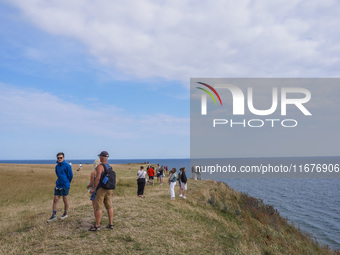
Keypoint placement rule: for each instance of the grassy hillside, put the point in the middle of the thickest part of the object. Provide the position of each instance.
(213, 220)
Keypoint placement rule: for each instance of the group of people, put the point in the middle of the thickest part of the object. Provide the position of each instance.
(182, 182)
(100, 194)
(173, 177)
(160, 173)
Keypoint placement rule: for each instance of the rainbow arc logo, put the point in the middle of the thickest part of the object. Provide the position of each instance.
(209, 93)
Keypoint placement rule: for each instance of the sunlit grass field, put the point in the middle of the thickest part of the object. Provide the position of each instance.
(213, 220)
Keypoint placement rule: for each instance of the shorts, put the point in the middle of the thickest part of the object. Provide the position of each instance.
(63, 192)
(93, 196)
(183, 186)
(161, 176)
(158, 175)
(103, 196)
(151, 177)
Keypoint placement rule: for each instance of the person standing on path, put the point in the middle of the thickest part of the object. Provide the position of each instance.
(80, 167)
(64, 173)
(161, 175)
(158, 173)
(183, 183)
(141, 182)
(103, 196)
(179, 182)
(151, 174)
(172, 182)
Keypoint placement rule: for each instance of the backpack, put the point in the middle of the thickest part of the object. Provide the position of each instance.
(108, 178)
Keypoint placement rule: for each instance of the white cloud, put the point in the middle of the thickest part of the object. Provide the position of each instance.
(179, 40)
(22, 109)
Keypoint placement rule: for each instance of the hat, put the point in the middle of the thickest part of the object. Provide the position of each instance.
(104, 154)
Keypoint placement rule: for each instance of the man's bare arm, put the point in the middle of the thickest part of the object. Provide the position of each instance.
(99, 170)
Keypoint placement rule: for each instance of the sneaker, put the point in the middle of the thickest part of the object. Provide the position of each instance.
(53, 218)
(161, 184)
(180, 195)
(184, 197)
(64, 216)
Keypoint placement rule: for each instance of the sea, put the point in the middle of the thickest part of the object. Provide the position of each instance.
(311, 204)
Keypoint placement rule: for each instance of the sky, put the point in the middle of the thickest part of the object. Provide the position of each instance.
(86, 76)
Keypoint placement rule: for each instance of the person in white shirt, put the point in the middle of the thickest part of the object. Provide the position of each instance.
(141, 182)
(172, 182)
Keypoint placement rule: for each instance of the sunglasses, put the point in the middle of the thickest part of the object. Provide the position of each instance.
(59, 157)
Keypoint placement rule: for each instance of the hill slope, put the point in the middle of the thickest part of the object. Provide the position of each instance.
(213, 220)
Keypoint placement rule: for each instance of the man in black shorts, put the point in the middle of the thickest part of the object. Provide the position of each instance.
(64, 173)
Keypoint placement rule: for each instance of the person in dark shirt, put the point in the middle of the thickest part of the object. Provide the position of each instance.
(183, 182)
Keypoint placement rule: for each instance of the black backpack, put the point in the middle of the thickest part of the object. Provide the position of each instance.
(108, 178)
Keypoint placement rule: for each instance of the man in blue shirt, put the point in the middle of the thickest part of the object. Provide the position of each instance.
(64, 173)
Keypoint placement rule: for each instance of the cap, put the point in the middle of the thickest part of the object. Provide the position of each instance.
(104, 154)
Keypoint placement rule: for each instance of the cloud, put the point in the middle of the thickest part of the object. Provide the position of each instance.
(23, 108)
(177, 40)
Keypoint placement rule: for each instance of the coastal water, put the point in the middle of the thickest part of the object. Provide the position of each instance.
(311, 204)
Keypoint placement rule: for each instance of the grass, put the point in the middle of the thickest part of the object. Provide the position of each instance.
(213, 220)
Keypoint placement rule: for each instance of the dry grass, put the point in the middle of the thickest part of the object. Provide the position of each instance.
(213, 220)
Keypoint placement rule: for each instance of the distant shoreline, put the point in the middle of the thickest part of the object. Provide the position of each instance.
(150, 160)
(88, 161)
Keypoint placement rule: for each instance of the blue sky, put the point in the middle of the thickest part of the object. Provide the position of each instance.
(86, 76)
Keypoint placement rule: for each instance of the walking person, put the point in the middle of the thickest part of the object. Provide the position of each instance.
(103, 195)
(151, 174)
(91, 184)
(141, 182)
(158, 173)
(183, 184)
(64, 173)
(179, 182)
(161, 175)
(172, 182)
